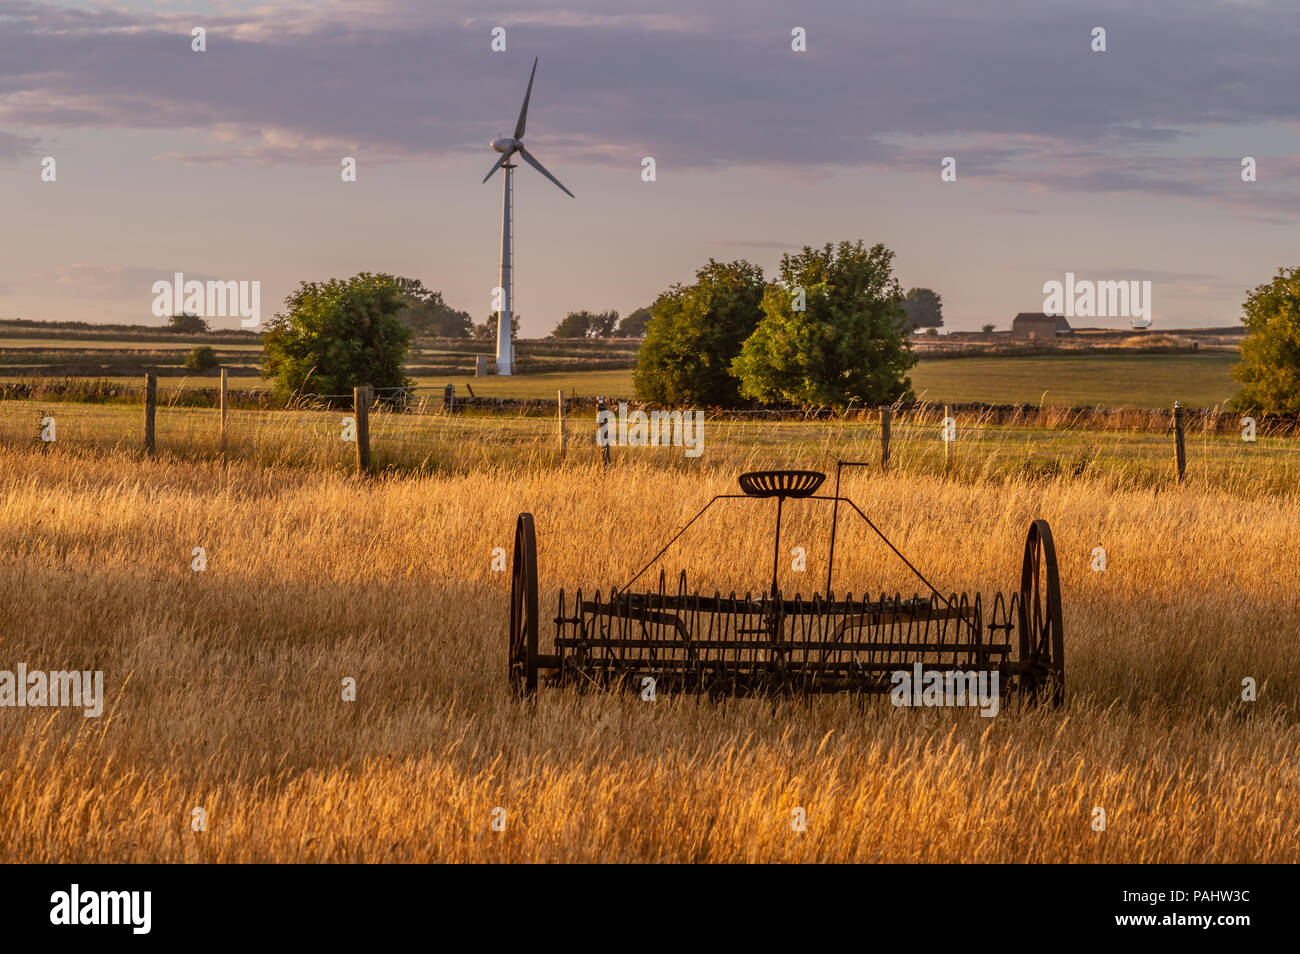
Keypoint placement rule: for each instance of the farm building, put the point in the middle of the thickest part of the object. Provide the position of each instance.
(1036, 326)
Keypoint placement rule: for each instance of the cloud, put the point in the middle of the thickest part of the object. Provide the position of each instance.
(82, 280)
(1010, 87)
(13, 147)
(88, 280)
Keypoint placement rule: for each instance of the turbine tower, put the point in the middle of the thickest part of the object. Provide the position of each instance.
(510, 146)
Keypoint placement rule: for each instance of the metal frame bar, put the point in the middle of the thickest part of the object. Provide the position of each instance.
(835, 499)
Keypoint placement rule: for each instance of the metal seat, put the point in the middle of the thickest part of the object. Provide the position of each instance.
(781, 483)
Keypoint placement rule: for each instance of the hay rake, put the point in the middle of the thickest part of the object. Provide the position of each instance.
(771, 644)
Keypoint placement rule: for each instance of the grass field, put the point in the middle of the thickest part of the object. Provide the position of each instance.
(125, 344)
(1139, 380)
(1133, 451)
(1200, 380)
(1136, 380)
(1110, 380)
(224, 687)
(166, 385)
(611, 384)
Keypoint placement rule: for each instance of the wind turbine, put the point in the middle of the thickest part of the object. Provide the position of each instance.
(510, 146)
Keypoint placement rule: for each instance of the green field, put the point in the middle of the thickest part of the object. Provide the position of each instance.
(97, 344)
(1087, 380)
(165, 384)
(1136, 380)
(613, 384)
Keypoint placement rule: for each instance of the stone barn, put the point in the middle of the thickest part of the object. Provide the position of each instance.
(1036, 326)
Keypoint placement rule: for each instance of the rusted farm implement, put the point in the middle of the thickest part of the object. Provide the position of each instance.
(747, 645)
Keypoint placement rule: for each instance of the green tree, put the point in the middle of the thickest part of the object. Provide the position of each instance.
(634, 325)
(924, 308)
(573, 325)
(201, 359)
(455, 324)
(336, 335)
(187, 324)
(487, 331)
(1270, 354)
(586, 324)
(694, 333)
(603, 324)
(427, 314)
(987, 329)
(848, 343)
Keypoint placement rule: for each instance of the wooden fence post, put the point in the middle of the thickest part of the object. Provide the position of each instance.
(449, 398)
(564, 437)
(947, 442)
(361, 410)
(223, 411)
(603, 445)
(1180, 446)
(884, 439)
(150, 407)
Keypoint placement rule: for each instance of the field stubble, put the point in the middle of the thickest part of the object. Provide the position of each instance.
(223, 688)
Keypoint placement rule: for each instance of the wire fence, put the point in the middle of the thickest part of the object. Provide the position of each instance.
(431, 432)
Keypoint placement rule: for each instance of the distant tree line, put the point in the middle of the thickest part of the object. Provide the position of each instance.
(605, 324)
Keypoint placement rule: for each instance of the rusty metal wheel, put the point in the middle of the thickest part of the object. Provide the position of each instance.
(1042, 645)
(523, 609)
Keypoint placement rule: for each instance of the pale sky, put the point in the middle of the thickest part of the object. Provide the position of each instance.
(1122, 165)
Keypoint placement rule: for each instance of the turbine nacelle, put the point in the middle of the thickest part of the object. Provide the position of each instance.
(511, 146)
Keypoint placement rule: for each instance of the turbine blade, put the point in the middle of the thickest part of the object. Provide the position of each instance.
(499, 163)
(523, 110)
(528, 158)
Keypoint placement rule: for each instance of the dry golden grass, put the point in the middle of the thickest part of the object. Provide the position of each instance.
(224, 687)
(1126, 448)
